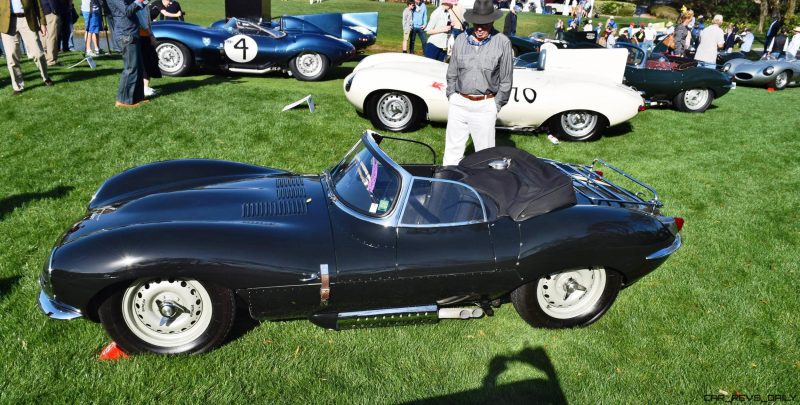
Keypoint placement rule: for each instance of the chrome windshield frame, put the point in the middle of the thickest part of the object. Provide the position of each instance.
(432, 180)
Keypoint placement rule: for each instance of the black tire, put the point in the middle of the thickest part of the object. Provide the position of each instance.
(202, 315)
(174, 58)
(781, 80)
(577, 125)
(535, 304)
(309, 66)
(694, 100)
(395, 111)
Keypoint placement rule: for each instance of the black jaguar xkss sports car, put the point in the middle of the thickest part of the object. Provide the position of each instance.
(168, 253)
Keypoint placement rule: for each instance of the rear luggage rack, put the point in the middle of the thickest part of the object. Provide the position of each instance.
(599, 190)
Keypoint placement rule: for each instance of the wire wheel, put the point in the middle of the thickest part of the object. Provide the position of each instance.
(696, 99)
(167, 313)
(572, 293)
(171, 59)
(394, 110)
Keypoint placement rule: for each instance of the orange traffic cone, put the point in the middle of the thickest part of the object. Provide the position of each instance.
(112, 352)
(770, 89)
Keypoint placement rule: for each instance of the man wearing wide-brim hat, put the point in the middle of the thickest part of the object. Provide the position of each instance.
(794, 45)
(479, 80)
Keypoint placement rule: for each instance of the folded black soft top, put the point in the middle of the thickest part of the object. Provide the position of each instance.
(523, 186)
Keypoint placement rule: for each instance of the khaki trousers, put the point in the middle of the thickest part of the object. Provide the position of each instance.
(19, 29)
(50, 41)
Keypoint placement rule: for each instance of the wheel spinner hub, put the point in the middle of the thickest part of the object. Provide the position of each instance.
(169, 58)
(167, 312)
(578, 123)
(309, 64)
(571, 293)
(394, 110)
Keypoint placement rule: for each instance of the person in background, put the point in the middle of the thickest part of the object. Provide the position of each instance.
(457, 18)
(22, 19)
(611, 23)
(52, 11)
(777, 48)
(126, 33)
(560, 29)
(697, 28)
(147, 46)
(602, 39)
(747, 40)
(599, 30)
(670, 28)
(407, 23)
(794, 45)
(611, 40)
(712, 39)
(682, 34)
(730, 38)
(479, 80)
(623, 37)
(68, 17)
(438, 30)
(93, 21)
(630, 29)
(638, 36)
(649, 37)
(419, 18)
(169, 10)
(588, 27)
(773, 30)
(510, 22)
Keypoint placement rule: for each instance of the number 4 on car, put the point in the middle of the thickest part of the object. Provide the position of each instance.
(247, 47)
(169, 253)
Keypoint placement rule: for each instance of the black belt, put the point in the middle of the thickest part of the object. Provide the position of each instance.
(19, 15)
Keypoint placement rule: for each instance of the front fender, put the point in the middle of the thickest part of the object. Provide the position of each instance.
(233, 255)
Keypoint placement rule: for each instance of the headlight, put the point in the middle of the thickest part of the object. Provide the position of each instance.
(727, 67)
(349, 82)
(770, 70)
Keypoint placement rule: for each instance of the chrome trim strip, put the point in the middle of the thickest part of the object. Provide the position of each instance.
(405, 205)
(389, 311)
(325, 284)
(56, 310)
(676, 244)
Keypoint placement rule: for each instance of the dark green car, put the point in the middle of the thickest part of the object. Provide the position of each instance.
(669, 80)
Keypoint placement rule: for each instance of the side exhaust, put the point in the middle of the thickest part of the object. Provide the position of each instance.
(391, 317)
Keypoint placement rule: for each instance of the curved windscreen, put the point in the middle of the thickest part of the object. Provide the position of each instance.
(365, 184)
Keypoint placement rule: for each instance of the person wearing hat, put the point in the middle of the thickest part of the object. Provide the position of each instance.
(794, 45)
(479, 80)
(23, 19)
(438, 30)
(611, 23)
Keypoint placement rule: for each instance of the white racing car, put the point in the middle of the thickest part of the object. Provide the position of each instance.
(575, 92)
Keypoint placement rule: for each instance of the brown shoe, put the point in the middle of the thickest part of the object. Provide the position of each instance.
(123, 105)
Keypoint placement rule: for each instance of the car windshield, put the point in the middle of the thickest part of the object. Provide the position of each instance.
(364, 183)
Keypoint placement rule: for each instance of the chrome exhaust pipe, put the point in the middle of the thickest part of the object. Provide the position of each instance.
(460, 313)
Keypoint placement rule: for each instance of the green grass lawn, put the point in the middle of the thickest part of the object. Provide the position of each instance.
(720, 315)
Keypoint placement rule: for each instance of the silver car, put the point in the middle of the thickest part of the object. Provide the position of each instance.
(777, 73)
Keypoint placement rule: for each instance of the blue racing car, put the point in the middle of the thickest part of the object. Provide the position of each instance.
(247, 47)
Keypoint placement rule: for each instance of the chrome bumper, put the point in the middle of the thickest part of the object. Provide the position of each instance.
(57, 310)
(660, 254)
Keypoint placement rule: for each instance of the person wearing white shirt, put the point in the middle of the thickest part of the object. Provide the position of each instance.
(747, 40)
(712, 39)
(588, 27)
(438, 30)
(794, 45)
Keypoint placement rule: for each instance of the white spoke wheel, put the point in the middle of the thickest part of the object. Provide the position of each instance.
(309, 66)
(567, 299)
(578, 125)
(168, 315)
(174, 59)
(694, 100)
(781, 80)
(394, 111)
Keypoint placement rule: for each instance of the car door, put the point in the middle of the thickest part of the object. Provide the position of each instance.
(251, 48)
(444, 244)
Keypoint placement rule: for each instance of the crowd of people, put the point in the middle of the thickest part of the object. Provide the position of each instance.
(42, 28)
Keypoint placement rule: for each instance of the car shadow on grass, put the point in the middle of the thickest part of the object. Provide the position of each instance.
(534, 390)
(617, 130)
(9, 204)
(6, 284)
(188, 84)
(79, 75)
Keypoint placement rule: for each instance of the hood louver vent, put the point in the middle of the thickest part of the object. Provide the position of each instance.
(290, 200)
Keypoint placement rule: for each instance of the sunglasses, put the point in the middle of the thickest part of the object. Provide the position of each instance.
(483, 27)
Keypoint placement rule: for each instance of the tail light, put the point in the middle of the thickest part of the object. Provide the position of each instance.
(678, 223)
(642, 107)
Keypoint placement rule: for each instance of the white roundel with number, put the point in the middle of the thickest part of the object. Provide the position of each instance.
(241, 48)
